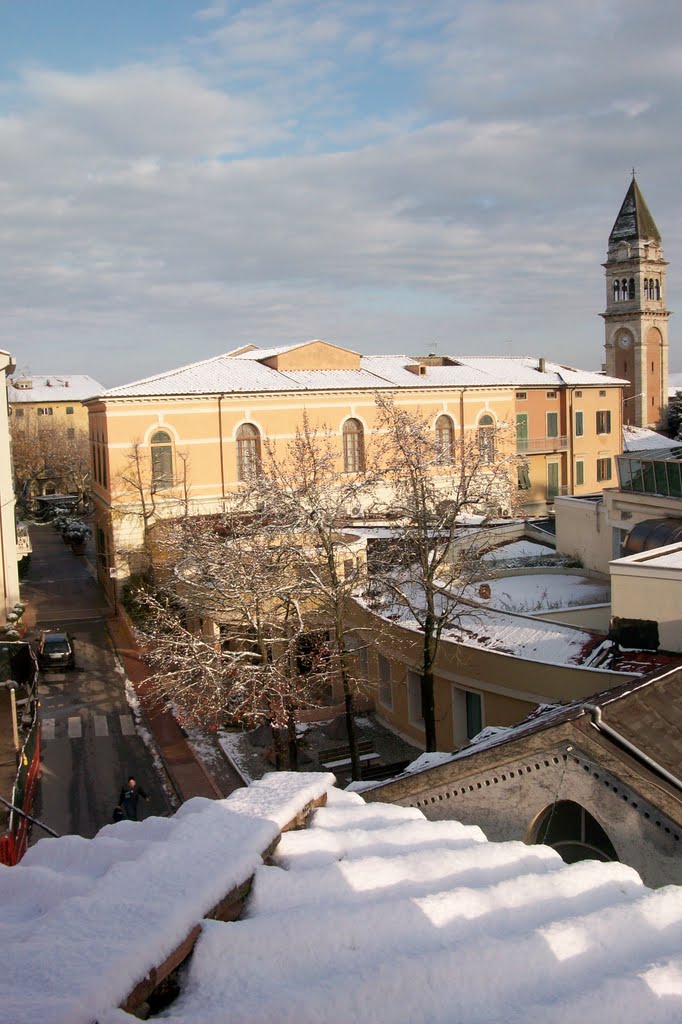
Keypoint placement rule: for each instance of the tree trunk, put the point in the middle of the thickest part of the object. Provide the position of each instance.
(356, 768)
(427, 686)
(348, 696)
(293, 742)
(277, 748)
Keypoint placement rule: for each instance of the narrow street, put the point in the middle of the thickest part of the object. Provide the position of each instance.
(90, 745)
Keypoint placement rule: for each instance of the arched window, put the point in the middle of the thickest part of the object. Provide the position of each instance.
(657, 285)
(486, 438)
(445, 440)
(248, 451)
(575, 835)
(631, 288)
(646, 288)
(624, 289)
(651, 287)
(353, 447)
(616, 291)
(162, 460)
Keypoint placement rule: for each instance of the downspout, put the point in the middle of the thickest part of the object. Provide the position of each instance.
(599, 724)
(220, 435)
(571, 453)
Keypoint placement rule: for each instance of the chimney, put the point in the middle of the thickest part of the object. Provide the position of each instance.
(541, 364)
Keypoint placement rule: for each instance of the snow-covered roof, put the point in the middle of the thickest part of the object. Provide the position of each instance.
(522, 548)
(243, 370)
(674, 384)
(372, 914)
(52, 387)
(376, 914)
(83, 920)
(640, 439)
(524, 371)
(533, 640)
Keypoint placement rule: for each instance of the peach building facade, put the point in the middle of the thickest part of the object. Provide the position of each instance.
(185, 439)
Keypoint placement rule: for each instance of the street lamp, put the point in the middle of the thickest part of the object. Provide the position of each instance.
(631, 398)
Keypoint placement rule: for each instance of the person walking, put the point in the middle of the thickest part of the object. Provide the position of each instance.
(129, 798)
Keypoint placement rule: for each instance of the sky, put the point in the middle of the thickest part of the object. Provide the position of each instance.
(414, 176)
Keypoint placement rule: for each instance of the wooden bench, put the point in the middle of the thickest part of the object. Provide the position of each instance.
(339, 757)
(383, 771)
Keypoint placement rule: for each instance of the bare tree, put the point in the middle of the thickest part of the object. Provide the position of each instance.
(309, 494)
(224, 628)
(141, 502)
(50, 454)
(434, 482)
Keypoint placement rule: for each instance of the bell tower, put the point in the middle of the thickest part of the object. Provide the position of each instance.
(636, 320)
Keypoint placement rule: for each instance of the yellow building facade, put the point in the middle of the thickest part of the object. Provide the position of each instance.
(184, 440)
(47, 411)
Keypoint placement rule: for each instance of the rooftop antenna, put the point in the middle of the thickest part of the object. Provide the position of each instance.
(510, 345)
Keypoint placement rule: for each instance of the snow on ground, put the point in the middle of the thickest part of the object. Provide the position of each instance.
(540, 592)
(375, 914)
(518, 549)
(83, 920)
(143, 732)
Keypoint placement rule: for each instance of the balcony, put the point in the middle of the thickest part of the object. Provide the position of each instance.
(537, 445)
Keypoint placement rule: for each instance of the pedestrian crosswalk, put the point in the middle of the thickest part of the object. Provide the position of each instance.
(79, 726)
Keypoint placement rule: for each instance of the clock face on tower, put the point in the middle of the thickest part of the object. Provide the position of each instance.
(625, 340)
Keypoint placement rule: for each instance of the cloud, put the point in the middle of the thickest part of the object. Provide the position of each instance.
(384, 176)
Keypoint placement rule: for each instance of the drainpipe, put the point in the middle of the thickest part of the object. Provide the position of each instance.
(599, 724)
(571, 453)
(220, 435)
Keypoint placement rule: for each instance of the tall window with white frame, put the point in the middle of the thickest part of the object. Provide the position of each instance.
(486, 438)
(162, 460)
(445, 440)
(467, 711)
(353, 446)
(248, 451)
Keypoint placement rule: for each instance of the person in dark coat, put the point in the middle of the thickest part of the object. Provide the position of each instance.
(129, 798)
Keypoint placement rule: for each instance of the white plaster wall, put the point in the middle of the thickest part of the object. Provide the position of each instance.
(640, 596)
(507, 802)
(582, 532)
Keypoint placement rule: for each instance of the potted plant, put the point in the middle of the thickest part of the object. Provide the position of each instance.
(76, 535)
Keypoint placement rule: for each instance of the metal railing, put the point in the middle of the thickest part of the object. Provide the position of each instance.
(14, 842)
(542, 444)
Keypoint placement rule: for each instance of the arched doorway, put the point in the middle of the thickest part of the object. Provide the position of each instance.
(575, 835)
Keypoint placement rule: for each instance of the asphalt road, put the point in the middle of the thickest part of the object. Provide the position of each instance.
(90, 745)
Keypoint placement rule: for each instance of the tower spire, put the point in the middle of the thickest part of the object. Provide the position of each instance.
(636, 318)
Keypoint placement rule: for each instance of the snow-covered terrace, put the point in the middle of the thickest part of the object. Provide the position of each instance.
(372, 914)
(510, 621)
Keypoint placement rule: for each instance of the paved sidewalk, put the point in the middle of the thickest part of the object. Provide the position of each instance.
(187, 774)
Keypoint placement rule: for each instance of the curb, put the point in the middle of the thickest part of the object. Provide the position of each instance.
(139, 716)
(135, 654)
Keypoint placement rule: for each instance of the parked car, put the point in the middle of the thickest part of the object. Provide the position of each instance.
(55, 650)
